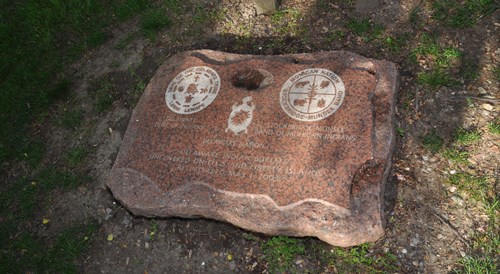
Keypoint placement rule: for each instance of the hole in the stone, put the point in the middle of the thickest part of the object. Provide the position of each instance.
(296, 61)
(248, 78)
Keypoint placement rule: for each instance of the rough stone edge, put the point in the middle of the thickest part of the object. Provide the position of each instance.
(247, 210)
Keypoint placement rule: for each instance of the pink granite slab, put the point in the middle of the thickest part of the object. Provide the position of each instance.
(297, 145)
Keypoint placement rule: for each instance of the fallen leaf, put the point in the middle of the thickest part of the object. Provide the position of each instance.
(45, 221)
(110, 237)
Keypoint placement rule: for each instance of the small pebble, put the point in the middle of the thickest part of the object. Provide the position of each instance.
(482, 91)
(404, 251)
(488, 107)
(453, 189)
(146, 245)
(415, 263)
(453, 171)
(462, 253)
(457, 199)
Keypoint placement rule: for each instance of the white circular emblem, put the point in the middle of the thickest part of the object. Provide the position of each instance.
(192, 90)
(312, 94)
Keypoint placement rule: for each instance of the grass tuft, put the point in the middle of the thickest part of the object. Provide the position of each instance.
(358, 260)
(52, 178)
(72, 119)
(365, 29)
(477, 265)
(475, 186)
(430, 50)
(76, 155)
(129, 8)
(456, 156)
(286, 21)
(34, 153)
(462, 14)
(494, 128)
(433, 142)
(104, 95)
(467, 137)
(416, 18)
(396, 43)
(280, 252)
(153, 21)
(436, 78)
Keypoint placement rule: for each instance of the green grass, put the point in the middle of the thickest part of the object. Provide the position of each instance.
(71, 119)
(436, 78)
(467, 137)
(456, 156)
(286, 21)
(126, 40)
(30, 254)
(475, 186)
(174, 6)
(396, 43)
(365, 29)
(24, 252)
(131, 7)
(477, 265)
(153, 21)
(438, 56)
(496, 72)
(433, 142)
(104, 95)
(38, 39)
(335, 36)
(415, 17)
(52, 178)
(483, 253)
(34, 153)
(440, 61)
(469, 69)
(462, 14)
(280, 251)
(358, 260)
(401, 132)
(76, 155)
(494, 127)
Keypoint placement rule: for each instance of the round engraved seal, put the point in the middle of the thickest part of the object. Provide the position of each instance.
(192, 90)
(312, 94)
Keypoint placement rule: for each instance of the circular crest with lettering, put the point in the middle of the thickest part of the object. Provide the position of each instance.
(192, 90)
(312, 94)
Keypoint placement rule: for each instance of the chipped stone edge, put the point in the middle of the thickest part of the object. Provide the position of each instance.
(260, 213)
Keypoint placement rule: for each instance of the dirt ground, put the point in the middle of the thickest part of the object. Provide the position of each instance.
(430, 222)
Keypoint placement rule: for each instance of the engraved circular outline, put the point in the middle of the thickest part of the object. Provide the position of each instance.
(337, 88)
(209, 98)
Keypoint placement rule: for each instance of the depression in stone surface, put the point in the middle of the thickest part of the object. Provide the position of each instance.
(316, 137)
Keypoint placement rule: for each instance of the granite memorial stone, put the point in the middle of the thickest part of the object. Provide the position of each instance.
(295, 145)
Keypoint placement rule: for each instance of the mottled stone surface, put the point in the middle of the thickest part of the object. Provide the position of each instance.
(303, 150)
